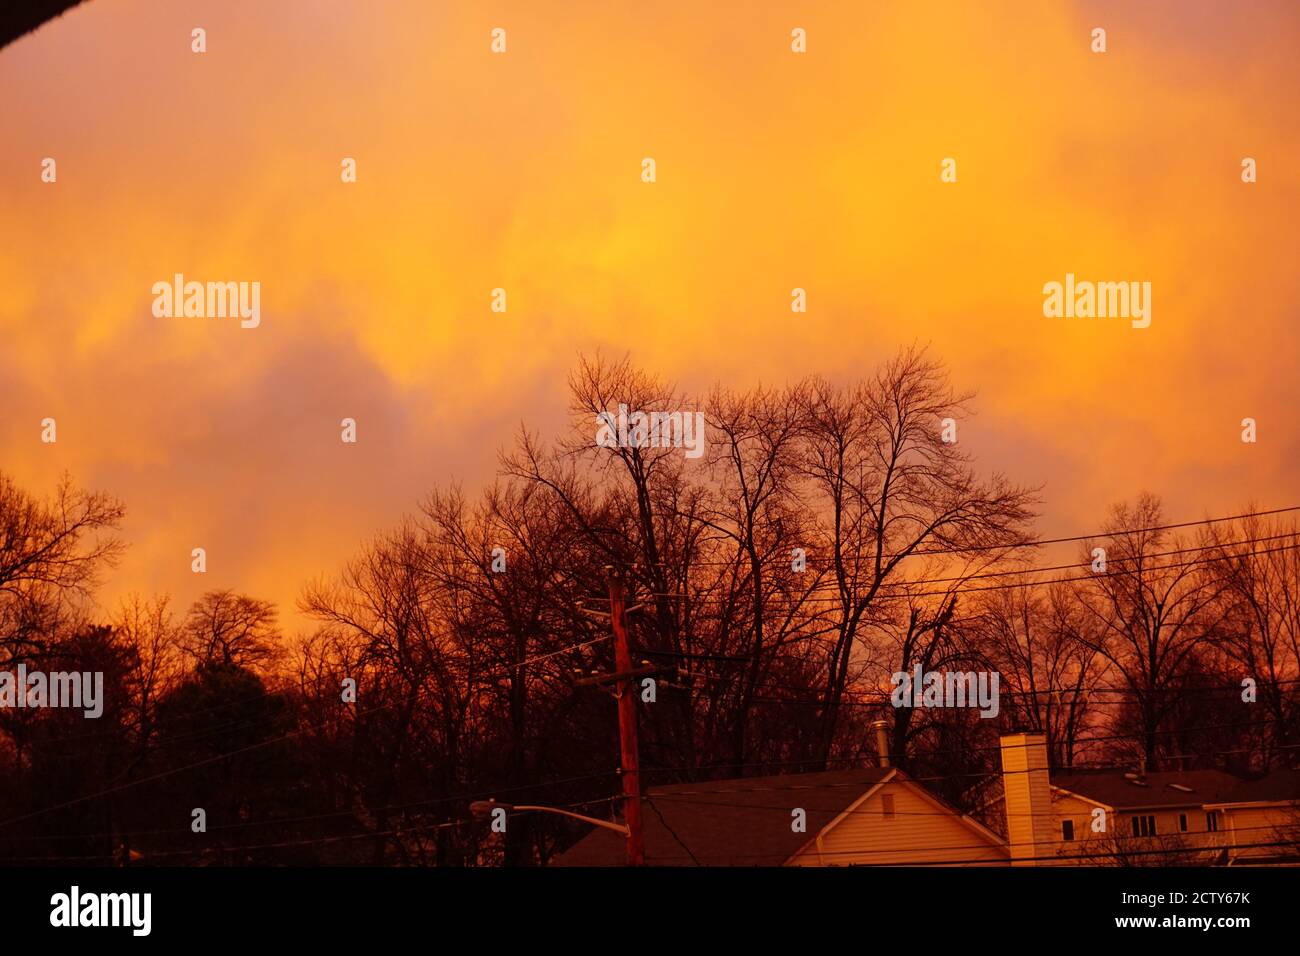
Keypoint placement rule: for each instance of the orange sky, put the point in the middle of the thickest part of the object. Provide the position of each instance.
(522, 170)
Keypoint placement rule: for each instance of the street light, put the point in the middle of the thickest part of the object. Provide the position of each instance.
(484, 808)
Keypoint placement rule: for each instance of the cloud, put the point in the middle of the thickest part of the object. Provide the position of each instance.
(522, 171)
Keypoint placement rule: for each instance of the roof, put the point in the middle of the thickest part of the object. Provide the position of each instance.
(1113, 788)
(18, 18)
(1278, 787)
(739, 822)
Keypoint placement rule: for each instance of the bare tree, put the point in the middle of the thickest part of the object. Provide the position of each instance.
(147, 627)
(228, 628)
(1154, 606)
(888, 487)
(755, 506)
(638, 508)
(1257, 564)
(51, 555)
(1033, 636)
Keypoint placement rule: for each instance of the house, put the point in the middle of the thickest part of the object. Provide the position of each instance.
(1261, 820)
(870, 816)
(880, 816)
(1167, 810)
(1110, 817)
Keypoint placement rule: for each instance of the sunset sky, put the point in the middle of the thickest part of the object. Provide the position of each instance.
(522, 171)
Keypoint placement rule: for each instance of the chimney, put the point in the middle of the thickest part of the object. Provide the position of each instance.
(882, 742)
(1031, 824)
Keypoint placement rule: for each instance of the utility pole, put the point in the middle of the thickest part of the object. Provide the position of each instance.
(625, 691)
(624, 681)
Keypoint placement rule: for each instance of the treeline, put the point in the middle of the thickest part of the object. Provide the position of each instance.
(830, 538)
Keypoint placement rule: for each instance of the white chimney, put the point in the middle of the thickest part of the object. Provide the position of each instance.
(1031, 824)
(882, 742)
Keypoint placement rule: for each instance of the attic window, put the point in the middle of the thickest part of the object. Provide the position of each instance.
(887, 805)
(1067, 829)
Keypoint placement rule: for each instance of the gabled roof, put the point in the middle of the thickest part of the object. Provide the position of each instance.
(740, 822)
(1114, 789)
(1280, 786)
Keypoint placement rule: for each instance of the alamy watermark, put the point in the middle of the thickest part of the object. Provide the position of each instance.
(82, 690)
(626, 429)
(946, 689)
(1074, 299)
(213, 300)
(75, 908)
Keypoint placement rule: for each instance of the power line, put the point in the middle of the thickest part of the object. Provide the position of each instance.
(278, 821)
(810, 597)
(1080, 696)
(650, 800)
(1036, 542)
(973, 748)
(449, 824)
(168, 773)
(273, 692)
(1112, 534)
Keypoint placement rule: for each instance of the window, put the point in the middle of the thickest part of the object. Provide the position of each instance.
(1212, 821)
(1182, 823)
(887, 805)
(1067, 829)
(1144, 825)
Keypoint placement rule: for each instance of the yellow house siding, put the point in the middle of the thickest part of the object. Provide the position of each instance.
(1031, 832)
(921, 831)
(1265, 824)
(1168, 840)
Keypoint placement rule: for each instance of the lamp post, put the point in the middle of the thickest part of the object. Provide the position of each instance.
(484, 808)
